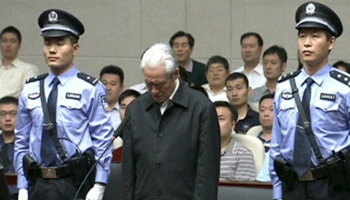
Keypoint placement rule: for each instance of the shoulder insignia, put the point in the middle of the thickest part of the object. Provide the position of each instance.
(288, 76)
(87, 78)
(36, 78)
(343, 78)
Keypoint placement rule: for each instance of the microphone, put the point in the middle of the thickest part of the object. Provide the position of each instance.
(121, 127)
(117, 133)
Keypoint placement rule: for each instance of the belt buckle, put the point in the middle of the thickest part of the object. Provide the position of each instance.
(307, 177)
(49, 172)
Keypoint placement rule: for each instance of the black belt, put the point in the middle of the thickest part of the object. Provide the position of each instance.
(54, 172)
(315, 173)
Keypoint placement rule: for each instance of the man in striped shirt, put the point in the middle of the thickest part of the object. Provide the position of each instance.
(237, 161)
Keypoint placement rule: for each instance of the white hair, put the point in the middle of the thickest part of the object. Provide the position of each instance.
(160, 55)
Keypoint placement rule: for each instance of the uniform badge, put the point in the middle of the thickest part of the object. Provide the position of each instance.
(53, 16)
(245, 127)
(34, 95)
(73, 96)
(104, 102)
(329, 97)
(310, 9)
(287, 95)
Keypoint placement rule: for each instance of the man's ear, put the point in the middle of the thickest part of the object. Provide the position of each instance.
(76, 49)
(332, 42)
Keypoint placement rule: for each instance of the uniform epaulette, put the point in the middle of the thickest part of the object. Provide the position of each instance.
(288, 76)
(340, 77)
(87, 78)
(36, 78)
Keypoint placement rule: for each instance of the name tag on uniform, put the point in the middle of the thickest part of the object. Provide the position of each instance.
(34, 95)
(73, 96)
(329, 97)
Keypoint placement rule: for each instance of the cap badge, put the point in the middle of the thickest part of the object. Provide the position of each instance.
(310, 9)
(53, 16)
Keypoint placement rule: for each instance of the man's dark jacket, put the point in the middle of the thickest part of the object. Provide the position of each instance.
(175, 155)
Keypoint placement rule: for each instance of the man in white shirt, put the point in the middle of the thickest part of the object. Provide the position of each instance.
(251, 49)
(217, 71)
(13, 72)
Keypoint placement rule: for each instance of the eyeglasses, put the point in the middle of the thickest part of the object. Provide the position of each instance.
(10, 113)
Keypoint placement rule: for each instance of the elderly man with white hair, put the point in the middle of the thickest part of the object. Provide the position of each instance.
(172, 143)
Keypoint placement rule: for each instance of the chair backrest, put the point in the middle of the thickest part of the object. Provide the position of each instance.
(254, 145)
(254, 131)
(254, 106)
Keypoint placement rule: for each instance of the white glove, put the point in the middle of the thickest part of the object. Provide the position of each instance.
(22, 194)
(95, 193)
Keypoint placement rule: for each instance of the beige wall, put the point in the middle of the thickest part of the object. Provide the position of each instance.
(117, 31)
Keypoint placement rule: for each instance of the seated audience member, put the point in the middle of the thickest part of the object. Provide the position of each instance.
(251, 49)
(266, 116)
(217, 71)
(343, 66)
(125, 99)
(13, 72)
(237, 161)
(113, 78)
(238, 91)
(8, 122)
(182, 43)
(274, 62)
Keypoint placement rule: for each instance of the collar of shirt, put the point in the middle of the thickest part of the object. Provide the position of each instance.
(14, 63)
(189, 67)
(116, 107)
(208, 89)
(164, 105)
(259, 69)
(63, 78)
(317, 78)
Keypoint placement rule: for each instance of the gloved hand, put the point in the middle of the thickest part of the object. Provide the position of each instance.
(22, 194)
(96, 192)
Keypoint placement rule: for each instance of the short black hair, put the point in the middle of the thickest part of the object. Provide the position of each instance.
(280, 51)
(237, 75)
(128, 93)
(14, 30)
(232, 108)
(266, 96)
(249, 34)
(181, 34)
(9, 100)
(113, 69)
(344, 64)
(220, 60)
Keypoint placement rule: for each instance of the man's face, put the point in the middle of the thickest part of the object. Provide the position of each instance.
(273, 66)
(124, 104)
(314, 46)
(59, 53)
(237, 92)
(159, 84)
(113, 85)
(266, 113)
(251, 50)
(8, 116)
(225, 120)
(182, 49)
(216, 75)
(9, 45)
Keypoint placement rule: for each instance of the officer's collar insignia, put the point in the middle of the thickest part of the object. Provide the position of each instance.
(104, 102)
(53, 16)
(73, 96)
(310, 9)
(34, 95)
(288, 76)
(287, 95)
(87, 78)
(341, 77)
(329, 97)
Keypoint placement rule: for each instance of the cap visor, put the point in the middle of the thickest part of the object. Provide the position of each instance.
(311, 25)
(55, 33)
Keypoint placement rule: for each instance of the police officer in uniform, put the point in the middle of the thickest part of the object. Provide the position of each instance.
(55, 149)
(309, 149)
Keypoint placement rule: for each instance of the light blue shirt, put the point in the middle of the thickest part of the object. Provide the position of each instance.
(330, 115)
(82, 118)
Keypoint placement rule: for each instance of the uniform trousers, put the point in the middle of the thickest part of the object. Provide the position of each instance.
(57, 189)
(316, 190)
